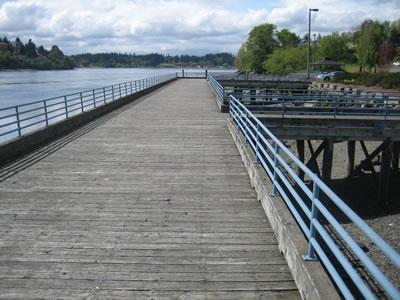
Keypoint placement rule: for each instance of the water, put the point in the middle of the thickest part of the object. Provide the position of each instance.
(19, 87)
(26, 86)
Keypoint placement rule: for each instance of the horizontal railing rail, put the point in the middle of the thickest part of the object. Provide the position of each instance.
(318, 211)
(235, 76)
(192, 74)
(217, 87)
(15, 121)
(307, 102)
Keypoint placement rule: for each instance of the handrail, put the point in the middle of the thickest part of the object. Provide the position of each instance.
(217, 87)
(323, 104)
(15, 121)
(311, 211)
(192, 74)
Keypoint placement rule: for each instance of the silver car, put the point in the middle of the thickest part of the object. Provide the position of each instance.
(330, 76)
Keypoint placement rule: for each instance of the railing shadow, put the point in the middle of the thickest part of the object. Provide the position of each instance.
(11, 169)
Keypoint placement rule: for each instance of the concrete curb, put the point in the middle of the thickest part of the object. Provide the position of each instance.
(31, 141)
(310, 277)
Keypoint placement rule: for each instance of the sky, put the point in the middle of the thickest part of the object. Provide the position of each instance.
(175, 26)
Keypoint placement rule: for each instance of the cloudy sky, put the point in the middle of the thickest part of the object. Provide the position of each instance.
(175, 26)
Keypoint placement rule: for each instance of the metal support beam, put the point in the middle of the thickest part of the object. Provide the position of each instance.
(351, 151)
(384, 176)
(395, 156)
(327, 161)
(300, 153)
(312, 163)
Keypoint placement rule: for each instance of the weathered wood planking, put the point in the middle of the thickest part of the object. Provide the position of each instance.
(149, 202)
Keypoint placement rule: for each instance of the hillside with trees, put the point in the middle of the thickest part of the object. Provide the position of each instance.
(372, 45)
(109, 60)
(17, 55)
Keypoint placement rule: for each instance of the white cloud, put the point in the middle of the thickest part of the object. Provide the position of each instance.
(170, 25)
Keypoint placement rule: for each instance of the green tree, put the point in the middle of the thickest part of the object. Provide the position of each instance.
(242, 61)
(336, 47)
(19, 48)
(260, 43)
(42, 52)
(56, 54)
(30, 49)
(287, 39)
(368, 39)
(285, 61)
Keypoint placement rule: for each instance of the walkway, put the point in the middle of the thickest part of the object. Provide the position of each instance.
(151, 201)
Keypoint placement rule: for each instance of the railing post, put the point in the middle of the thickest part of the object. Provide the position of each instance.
(94, 99)
(119, 87)
(246, 133)
(66, 107)
(313, 232)
(112, 89)
(45, 113)
(136, 89)
(126, 89)
(257, 144)
(335, 108)
(283, 107)
(276, 166)
(104, 95)
(130, 84)
(18, 120)
(81, 101)
(386, 105)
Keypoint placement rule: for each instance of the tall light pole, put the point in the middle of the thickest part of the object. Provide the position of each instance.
(309, 39)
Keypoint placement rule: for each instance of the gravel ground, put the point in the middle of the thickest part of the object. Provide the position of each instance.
(361, 195)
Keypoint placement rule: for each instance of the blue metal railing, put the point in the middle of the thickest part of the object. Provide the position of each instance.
(315, 209)
(295, 102)
(18, 120)
(192, 74)
(217, 87)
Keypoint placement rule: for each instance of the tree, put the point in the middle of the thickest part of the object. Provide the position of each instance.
(30, 49)
(260, 43)
(242, 61)
(368, 39)
(395, 33)
(287, 39)
(336, 47)
(42, 52)
(285, 61)
(19, 48)
(56, 54)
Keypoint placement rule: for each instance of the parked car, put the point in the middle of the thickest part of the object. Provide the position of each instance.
(330, 76)
(396, 63)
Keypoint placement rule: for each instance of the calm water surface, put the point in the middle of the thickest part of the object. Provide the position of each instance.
(23, 86)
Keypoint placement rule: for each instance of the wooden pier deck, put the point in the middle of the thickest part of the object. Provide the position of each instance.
(151, 201)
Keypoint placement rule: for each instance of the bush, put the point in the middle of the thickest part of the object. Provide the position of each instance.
(385, 80)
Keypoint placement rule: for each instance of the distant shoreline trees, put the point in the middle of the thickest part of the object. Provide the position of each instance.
(110, 60)
(268, 50)
(17, 55)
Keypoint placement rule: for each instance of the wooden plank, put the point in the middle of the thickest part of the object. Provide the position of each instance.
(151, 202)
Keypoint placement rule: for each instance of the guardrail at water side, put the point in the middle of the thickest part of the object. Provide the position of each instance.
(15, 121)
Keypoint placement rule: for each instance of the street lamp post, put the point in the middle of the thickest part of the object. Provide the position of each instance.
(309, 39)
